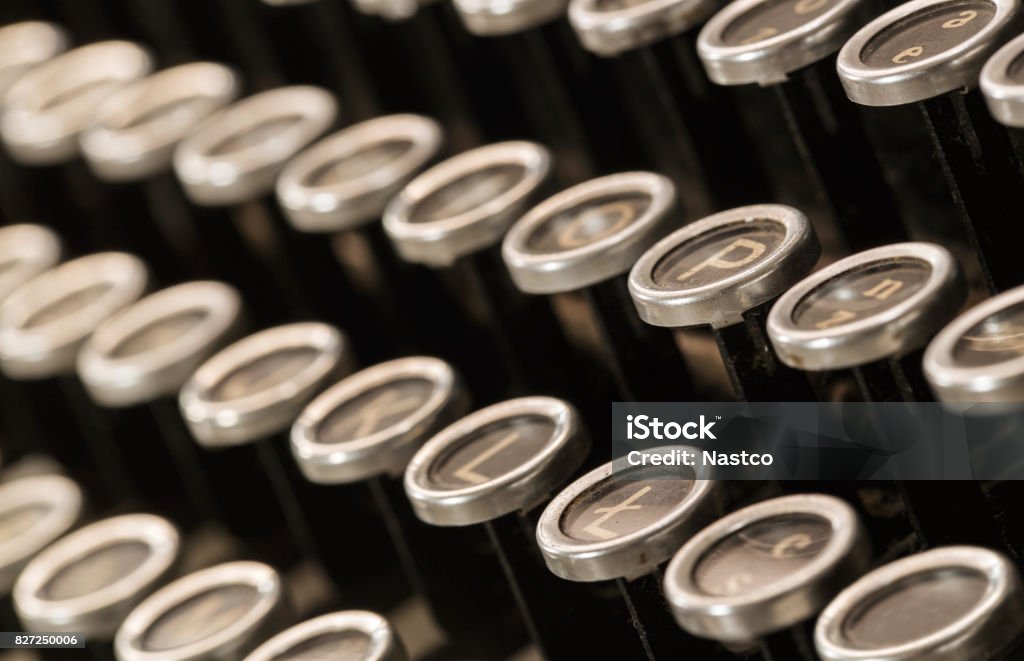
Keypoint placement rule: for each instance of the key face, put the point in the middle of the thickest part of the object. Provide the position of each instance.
(997, 339)
(877, 304)
(91, 579)
(587, 223)
(341, 635)
(766, 20)
(961, 602)
(622, 521)
(735, 580)
(927, 33)
(464, 474)
(375, 411)
(227, 608)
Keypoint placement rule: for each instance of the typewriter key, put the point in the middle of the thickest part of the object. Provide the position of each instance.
(45, 110)
(580, 244)
(238, 406)
(723, 272)
(338, 189)
(89, 580)
(491, 468)
(342, 635)
(359, 436)
(690, 130)
(35, 511)
(977, 356)
(786, 48)
(1003, 86)
(133, 367)
(130, 146)
(25, 252)
(222, 612)
(452, 218)
(622, 523)
(871, 313)
(231, 163)
(490, 17)
(957, 603)
(765, 571)
(22, 47)
(42, 326)
(927, 52)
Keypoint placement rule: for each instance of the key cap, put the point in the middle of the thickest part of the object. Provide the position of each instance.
(222, 612)
(724, 271)
(88, 581)
(764, 572)
(952, 603)
(342, 635)
(621, 524)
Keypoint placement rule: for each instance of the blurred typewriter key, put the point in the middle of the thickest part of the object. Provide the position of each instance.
(452, 218)
(88, 581)
(315, 44)
(872, 313)
(231, 163)
(42, 326)
(957, 603)
(356, 439)
(978, 356)
(1002, 84)
(724, 271)
(579, 245)
(765, 571)
(25, 251)
(354, 635)
(239, 406)
(690, 130)
(928, 52)
(134, 365)
(222, 612)
(44, 112)
(22, 47)
(787, 49)
(335, 193)
(491, 468)
(35, 511)
(622, 523)
(130, 146)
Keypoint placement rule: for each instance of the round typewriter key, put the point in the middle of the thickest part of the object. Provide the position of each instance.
(651, 46)
(929, 52)
(876, 305)
(222, 612)
(34, 512)
(358, 436)
(622, 523)
(723, 272)
(452, 218)
(493, 468)
(25, 252)
(90, 580)
(22, 47)
(765, 571)
(342, 635)
(1002, 83)
(130, 147)
(492, 17)
(239, 406)
(340, 187)
(43, 324)
(786, 47)
(133, 367)
(954, 603)
(579, 245)
(230, 164)
(977, 356)
(44, 112)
